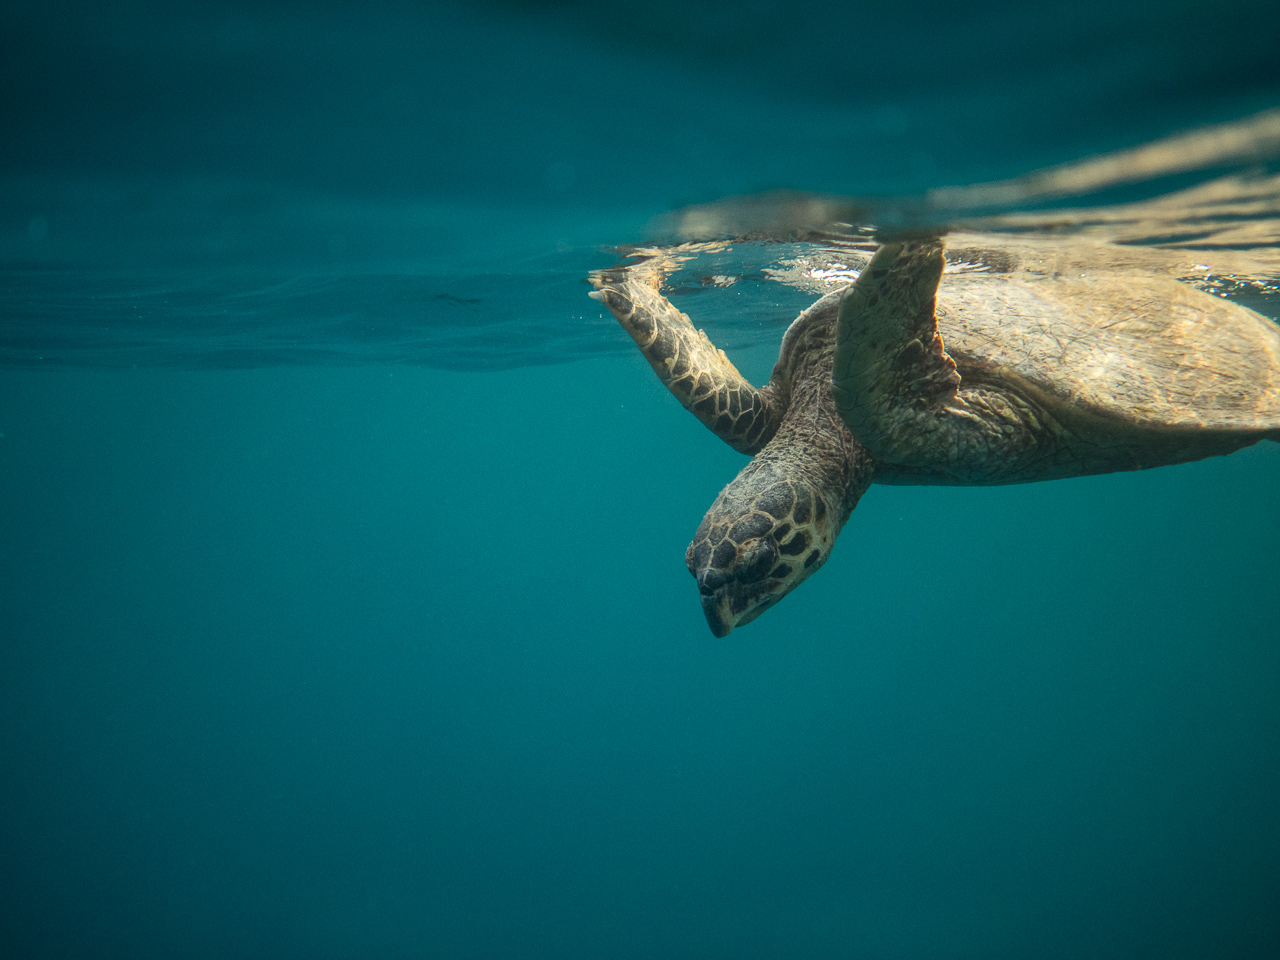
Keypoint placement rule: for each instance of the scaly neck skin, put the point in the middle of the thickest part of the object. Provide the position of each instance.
(776, 523)
(812, 441)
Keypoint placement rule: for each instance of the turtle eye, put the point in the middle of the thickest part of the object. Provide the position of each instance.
(756, 560)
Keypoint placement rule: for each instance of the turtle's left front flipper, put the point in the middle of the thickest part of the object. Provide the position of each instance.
(700, 376)
(899, 393)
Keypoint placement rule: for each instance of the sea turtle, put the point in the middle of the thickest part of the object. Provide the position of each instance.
(1009, 374)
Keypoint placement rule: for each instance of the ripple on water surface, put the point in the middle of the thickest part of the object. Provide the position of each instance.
(497, 288)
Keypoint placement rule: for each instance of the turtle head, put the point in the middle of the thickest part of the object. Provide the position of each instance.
(763, 536)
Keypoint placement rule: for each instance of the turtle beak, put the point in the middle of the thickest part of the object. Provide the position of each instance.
(715, 607)
(715, 601)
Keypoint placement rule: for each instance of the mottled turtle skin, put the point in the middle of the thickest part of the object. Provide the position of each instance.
(984, 377)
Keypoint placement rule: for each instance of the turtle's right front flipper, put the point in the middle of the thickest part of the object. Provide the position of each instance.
(700, 376)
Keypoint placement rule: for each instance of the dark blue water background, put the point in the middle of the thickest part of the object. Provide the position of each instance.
(342, 597)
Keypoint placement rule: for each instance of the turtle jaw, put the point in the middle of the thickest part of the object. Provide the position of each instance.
(716, 610)
(722, 621)
(731, 606)
(717, 602)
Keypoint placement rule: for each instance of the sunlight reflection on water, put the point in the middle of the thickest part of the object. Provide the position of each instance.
(470, 288)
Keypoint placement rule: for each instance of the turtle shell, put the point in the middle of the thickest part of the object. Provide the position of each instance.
(1146, 349)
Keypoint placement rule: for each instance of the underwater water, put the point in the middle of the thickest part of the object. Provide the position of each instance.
(343, 609)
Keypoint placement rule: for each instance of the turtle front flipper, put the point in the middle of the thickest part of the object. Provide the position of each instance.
(899, 393)
(700, 376)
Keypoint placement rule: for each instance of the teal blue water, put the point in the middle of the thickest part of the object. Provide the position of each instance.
(342, 591)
